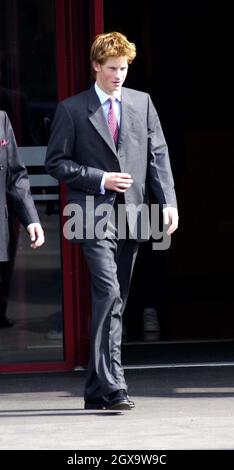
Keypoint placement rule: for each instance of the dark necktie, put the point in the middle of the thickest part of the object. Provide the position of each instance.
(112, 122)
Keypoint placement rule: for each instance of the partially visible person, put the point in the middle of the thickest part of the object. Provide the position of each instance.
(14, 193)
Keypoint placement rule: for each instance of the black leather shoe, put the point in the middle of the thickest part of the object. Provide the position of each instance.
(131, 403)
(5, 323)
(118, 400)
(96, 404)
(103, 403)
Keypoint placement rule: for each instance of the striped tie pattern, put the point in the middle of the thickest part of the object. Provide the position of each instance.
(112, 122)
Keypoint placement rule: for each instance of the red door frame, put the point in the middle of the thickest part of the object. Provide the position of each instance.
(84, 20)
(72, 76)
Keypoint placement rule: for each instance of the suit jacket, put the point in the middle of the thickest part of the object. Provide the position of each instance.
(14, 186)
(81, 149)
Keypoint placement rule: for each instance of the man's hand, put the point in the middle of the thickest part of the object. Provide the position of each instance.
(119, 182)
(170, 216)
(36, 235)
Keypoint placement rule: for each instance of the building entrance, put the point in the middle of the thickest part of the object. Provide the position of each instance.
(190, 285)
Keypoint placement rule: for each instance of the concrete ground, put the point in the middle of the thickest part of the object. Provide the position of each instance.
(176, 408)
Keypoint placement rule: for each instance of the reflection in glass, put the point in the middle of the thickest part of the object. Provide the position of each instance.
(27, 67)
(28, 93)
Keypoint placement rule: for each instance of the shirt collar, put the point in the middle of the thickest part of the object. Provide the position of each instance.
(103, 96)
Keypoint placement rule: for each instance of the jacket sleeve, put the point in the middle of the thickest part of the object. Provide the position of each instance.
(60, 162)
(18, 186)
(159, 172)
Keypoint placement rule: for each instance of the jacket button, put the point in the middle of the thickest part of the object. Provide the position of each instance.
(1, 167)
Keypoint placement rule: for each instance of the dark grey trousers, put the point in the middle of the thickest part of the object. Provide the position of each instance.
(110, 262)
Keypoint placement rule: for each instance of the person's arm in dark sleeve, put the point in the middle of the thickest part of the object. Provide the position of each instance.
(59, 161)
(18, 190)
(159, 174)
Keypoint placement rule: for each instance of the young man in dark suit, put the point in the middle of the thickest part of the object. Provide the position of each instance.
(107, 145)
(14, 190)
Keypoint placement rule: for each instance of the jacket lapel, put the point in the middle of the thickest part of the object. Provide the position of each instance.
(128, 116)
(98, 120)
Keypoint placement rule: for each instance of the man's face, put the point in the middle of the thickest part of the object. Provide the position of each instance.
(111, 75)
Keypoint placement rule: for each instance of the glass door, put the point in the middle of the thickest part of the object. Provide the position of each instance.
(44, 57)
(28, 93)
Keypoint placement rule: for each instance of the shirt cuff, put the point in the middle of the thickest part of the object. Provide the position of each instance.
(33, 224)
(102, 185)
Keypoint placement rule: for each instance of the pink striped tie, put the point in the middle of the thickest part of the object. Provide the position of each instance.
(112, 122)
